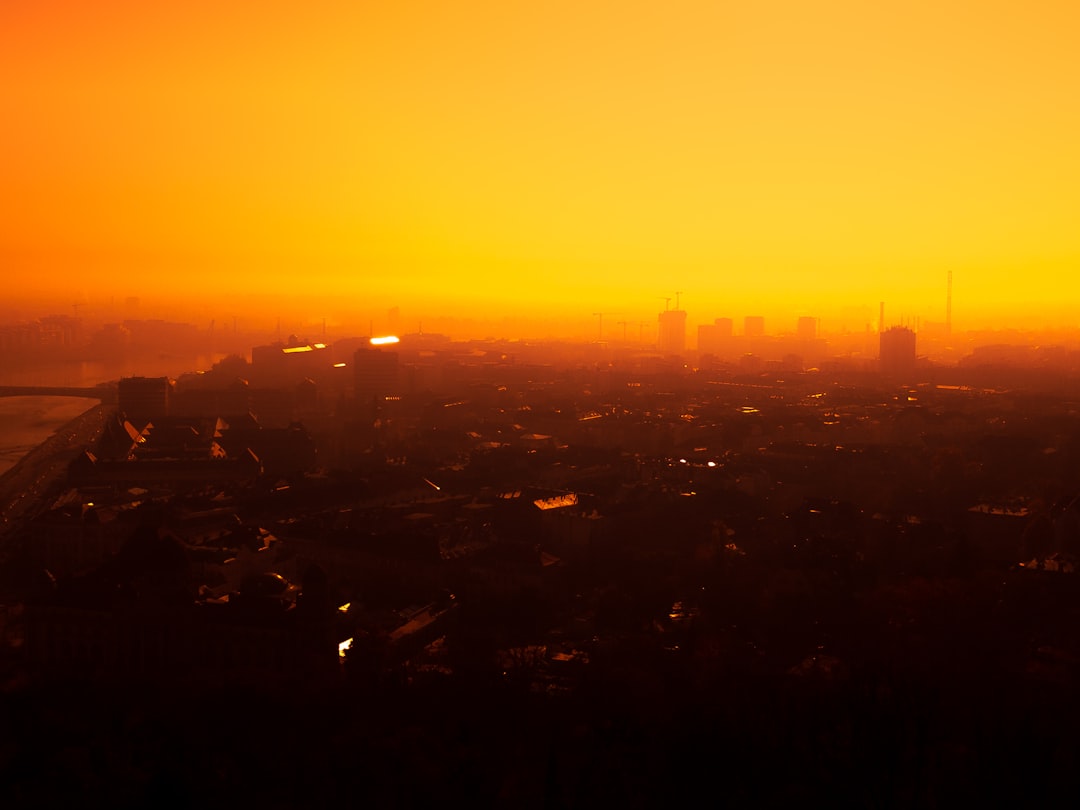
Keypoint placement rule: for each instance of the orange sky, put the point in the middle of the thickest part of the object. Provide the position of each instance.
(555, 158)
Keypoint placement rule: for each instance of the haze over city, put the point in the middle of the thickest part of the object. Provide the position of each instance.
(503, 161)
(539, 404)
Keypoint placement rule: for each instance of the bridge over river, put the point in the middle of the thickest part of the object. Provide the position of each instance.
(106, 392)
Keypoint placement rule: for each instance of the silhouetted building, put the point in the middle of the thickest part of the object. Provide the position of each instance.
(290, 362)
(17, 339)
(672, 332)
(176, 473)
(896, 347)
(154, 335)
(281, 451)
(143, 399)
(139, 615)
(715, 337)
(806, 329)
(375, 373)
(111, 343)
(59, 331)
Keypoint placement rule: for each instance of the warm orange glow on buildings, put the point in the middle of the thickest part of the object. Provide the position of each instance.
(548, 160)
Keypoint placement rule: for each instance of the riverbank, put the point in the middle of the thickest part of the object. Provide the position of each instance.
(26, 422)
(28, 487)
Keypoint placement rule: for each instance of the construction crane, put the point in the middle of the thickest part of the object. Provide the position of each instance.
(623, 325)
(677, 294)
(667, 303)
(600, 325)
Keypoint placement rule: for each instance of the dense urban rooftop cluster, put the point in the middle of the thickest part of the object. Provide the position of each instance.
(749, 554)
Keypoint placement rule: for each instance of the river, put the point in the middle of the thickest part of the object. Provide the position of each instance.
(26, 422)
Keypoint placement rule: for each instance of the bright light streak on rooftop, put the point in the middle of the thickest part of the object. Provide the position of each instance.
(569, 499)
(297, 349)
(385, 340)
(435, 486)
(339, 365)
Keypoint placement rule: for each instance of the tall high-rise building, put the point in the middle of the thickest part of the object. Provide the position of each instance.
(672, 332)
(375, 374)
(896, 351)
(806, 329)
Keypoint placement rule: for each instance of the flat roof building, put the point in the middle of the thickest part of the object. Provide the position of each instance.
(672, 332)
